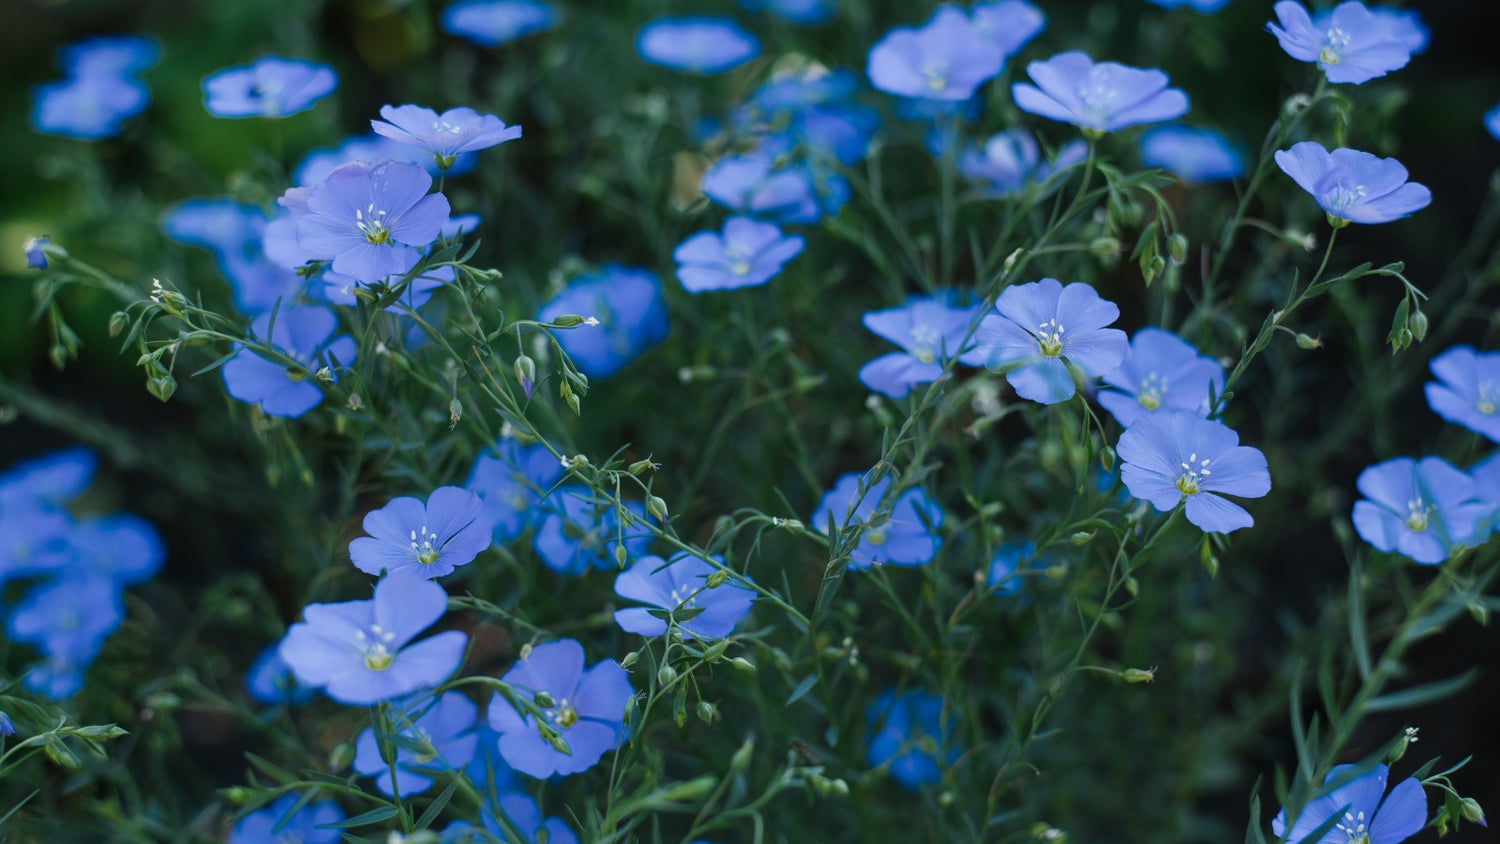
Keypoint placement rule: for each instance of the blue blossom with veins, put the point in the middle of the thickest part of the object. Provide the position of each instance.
(446, 135)
(1097, 98)
(1038, 326)
(678, 585)
(371, 220)
(1350, 44)
(444, 728)
(428, 540)
(902, 534)
(1364, 818)
(1421, 509)
(1180, 458)
(1353, 186)
(1467, 391)
(1161, 373)
(587, 710)
(930, 331)
(747, 254)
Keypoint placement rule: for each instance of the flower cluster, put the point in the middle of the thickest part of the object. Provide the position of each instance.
(75, 569)
(102, 88)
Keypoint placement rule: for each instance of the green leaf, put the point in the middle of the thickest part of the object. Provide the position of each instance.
(373, 816)
(802, 688)
(1425, 693)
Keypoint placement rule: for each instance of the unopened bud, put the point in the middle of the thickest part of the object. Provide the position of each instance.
(526, 374)
(1010, 260)
(665, 675)
(1403, 339)
(1105, 248)
(1295, 104)
(1107, 458)
(559, 744)
(716, 579)
(365, 294)
(117, 322)
(715, 651)
(621, 556)
(544, 700)
(567, 320)
(1138, 675)
(341, 756)
(162, 386)
(640, 467)
(1418, 326)
(741, 758)
(656, 507)
(573, 404)
(630, 659)
(455, 411)
(1082, 537)
(705, 712)
(1177, 247)
(1305, 341)
(1471, 811)
(739, 663)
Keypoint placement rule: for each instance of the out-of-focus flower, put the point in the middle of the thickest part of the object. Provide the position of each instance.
(697, 44)
(908, 733)
(116, 55)
(510, 484)
(587, 711)
(1350, 44)
(360, 652)
(266, 826)
(1421, 509)
(270, 680)
(678, 586)
(577, 533)
(490, 23)
(1011, 160)
(944, 59)
(804, 12)
(1098, 98)
(1467, 391)
(445, 730)
(1008, 24)
(931, 332)
(87, 107)
(632, 317)
(1353, 186)
(1161, 373)
(903, 535)
(271, 86)
(1365, 816)
(304, 334)
(1180, 458)
(1192, 154)
(35, 249)
(747, 254)
(1206, 7)
(1038, 326)
(1492, 121)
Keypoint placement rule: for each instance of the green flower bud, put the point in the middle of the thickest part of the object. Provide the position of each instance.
(656, 507)
(640, 467)
(630, 659)
(1418, 326)
(1305, 341)
(117, 322)
(1177, 247)
(705, 712)
(567, 320)
(716, 579)
(544, 700)
(1472, 811)
(739, 663)
(741, 758)
(162, 386)
(665, 675)
(1138, 675)
(1082, 537)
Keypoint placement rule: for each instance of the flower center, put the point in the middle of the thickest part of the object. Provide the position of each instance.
(1333, 46)
(372, 225)
(1049, 338)
(563, 715)
(439, 127)
(936, 74)
(1194, 473)
(1098, 99)
(374, 644)
(69, 619)
(1152, 390)
(1417, 511)
(1485, 402)
(1354, 826)
(925, 341)
(684, 597)
(423, 545)
(1343, 197)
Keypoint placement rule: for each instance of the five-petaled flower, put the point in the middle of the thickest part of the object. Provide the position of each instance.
(586, 710)
(447, 135)
(1161, 373)
(1097, 98)
(442, 728)
(270, 87)
(303, 333)
(1422, 509)
(1467, 391)
(1180, 458)
(747, 254)
(946, 58)
(360, 652)
(410, 538)
(930, 331)
(371, 220)
(1362, 815)
(903, 535)
(1353, 186)
(1352, 44)
(907, 734)
(678, 586)
(307, 825)
(696, 44)
(1040, 325)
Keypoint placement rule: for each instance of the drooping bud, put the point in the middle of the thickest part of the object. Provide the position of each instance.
(1138, 675)
(526, 374)
(567, 320)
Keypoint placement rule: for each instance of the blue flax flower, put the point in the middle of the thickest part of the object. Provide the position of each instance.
(1010, 160)
(1040, 325)
(1206, 7)
(1008, 24)
(1353, 186)
(930, 332)
(1003, 576)
(68, 618)
(234, 232)
(1404, 25)
(681, 584)
(697, 44)
(1486, 477)
(522, 811)
(1351, 44)
(1176, 458)
(587, 711)
(747, 254)
(1467, 391)
(490, 23)
(35, 248)
(1362, 815)
(1422, 509)
(269, 87)
(277, 824)
(1492, 121)
(7, 729)
(372, 220)
(116, 55)
(632, 316)
(1191, 154)
(903, 535)
(510, 484)
(360, 652)
(944, 59)
(803, 12)
(270, 680)
(1161, 373)
(88, 107)
(318, 163)
(907, 732)
(1097, 98)
(428, 540)
(445, 731)
(447, 135)
(304, 334)
(120, 547)
(752, 183)
(51, 479)
(577, 533)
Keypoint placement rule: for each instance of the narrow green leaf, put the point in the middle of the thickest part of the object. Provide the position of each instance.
(1425, 693)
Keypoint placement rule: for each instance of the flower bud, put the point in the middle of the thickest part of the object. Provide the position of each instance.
(341, 756)
(573, 404)
(526, 374)
(741, 758)
(716, 579)
(544, 699)
(162, 386)
(739, 663)
(1308, 342)
(656, 507)
(1082, 537)
(1418, 326)
(1177, 247)
(1107, 458)
(705, 712)
(1471, 811)
(621, 556)
(1138, 675)
(559, 744)
(715, 651)
(117, 323)
(630, 659)
(665, 675)
(640, 467)
(455, 412)
(365, 294)
(567, 320)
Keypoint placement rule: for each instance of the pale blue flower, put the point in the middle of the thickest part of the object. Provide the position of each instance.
(944, 59)
(447, 135)
(1421, 509)
(1098, 98)
(1039, 326)
(1350, 44)
(1363, 815)
(1192, 154)
(587, 711)
(697, 44)
(1161, 373)
(271, 86)
(903, 534)
(1353, 186)
(1467, 391)
(490, 23)
(747, 254)
(1180, 458)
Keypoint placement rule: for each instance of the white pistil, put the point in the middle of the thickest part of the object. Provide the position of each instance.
(371, 224)
(375, 645)
(926, 342)
(1333, 46)
(936, 74)
(1194, 473)
(1049, 338)
(563, 715)
(1417, 512)
(424, 547)
(1354, 827)
(1485, 402)
(1153, 389)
